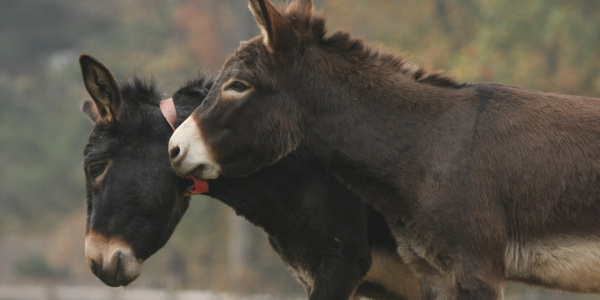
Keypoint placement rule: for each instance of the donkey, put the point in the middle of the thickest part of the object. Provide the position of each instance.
(322, 232)
(480, 183)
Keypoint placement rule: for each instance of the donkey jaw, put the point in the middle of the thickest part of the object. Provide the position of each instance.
(189, 154)
(111, 259)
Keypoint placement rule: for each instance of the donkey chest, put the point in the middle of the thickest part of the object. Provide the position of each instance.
(568, 263)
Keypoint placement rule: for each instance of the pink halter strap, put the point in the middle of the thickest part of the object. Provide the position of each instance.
(167, 107)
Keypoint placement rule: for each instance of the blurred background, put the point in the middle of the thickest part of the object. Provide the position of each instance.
(550, 45)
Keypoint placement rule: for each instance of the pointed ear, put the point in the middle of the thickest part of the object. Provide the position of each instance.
(302, 7)
(278, 32)
(89, 109)
(102, 86)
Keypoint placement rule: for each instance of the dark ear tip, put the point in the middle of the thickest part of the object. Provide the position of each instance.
(86, 59)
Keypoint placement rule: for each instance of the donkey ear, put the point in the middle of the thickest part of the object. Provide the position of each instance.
(90, 110)
(302, 7)
(277, 30)
(102, 86)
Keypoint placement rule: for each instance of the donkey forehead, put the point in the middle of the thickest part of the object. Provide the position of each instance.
(252, 56)
(106, 142)
(100, 145)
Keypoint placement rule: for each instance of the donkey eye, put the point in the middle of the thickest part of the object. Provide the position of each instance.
(237, 86)
(97, 169)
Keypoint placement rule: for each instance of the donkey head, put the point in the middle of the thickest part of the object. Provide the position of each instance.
(250, 119)
(134, 198)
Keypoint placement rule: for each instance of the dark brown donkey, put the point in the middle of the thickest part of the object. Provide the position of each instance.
(324, 233)
(480, 182)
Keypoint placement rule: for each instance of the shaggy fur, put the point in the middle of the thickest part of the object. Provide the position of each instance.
(480, 183)
(321, 231)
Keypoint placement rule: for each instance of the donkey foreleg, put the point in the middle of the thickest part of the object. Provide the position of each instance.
(339, 277)
(479, 277)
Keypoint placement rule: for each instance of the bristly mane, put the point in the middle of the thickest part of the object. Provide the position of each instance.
(139, 95)
(197, 86)
(311, 28)
(141, 91)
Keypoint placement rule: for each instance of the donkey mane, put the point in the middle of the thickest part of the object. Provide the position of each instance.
(139, 94)
(198, 86)
(140, 90)
(312, 28)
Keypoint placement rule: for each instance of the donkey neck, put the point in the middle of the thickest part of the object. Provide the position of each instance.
(364, 110)
(365, 123)
(276, 194)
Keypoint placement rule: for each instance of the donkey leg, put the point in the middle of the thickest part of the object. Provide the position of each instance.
(338, 278)
(477, 289)
(474, 280)
(478, 277)
(435, 285)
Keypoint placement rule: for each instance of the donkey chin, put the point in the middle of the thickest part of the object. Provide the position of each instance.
(111, 259)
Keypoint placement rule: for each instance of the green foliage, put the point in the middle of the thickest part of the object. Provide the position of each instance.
(547, 45)
(539, 44)
(37, 267)
(30, 31)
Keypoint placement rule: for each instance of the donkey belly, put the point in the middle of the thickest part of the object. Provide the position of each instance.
(568, 263)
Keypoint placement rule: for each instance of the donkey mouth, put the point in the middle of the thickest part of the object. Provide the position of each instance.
(198, 172)
(206, 171)
(197, 186)
(111, 259)
(121, 273)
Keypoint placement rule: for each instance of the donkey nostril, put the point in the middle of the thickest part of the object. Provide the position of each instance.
(119, 265)
(94, 267)
(174, 152)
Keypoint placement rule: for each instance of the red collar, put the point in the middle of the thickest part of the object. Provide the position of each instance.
(170, 113)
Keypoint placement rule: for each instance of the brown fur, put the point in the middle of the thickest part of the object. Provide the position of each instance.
(135, 201)
(132, 208)
(480, 183)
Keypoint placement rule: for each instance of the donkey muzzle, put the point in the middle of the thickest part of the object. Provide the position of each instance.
(189, 153)
(111, 259)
